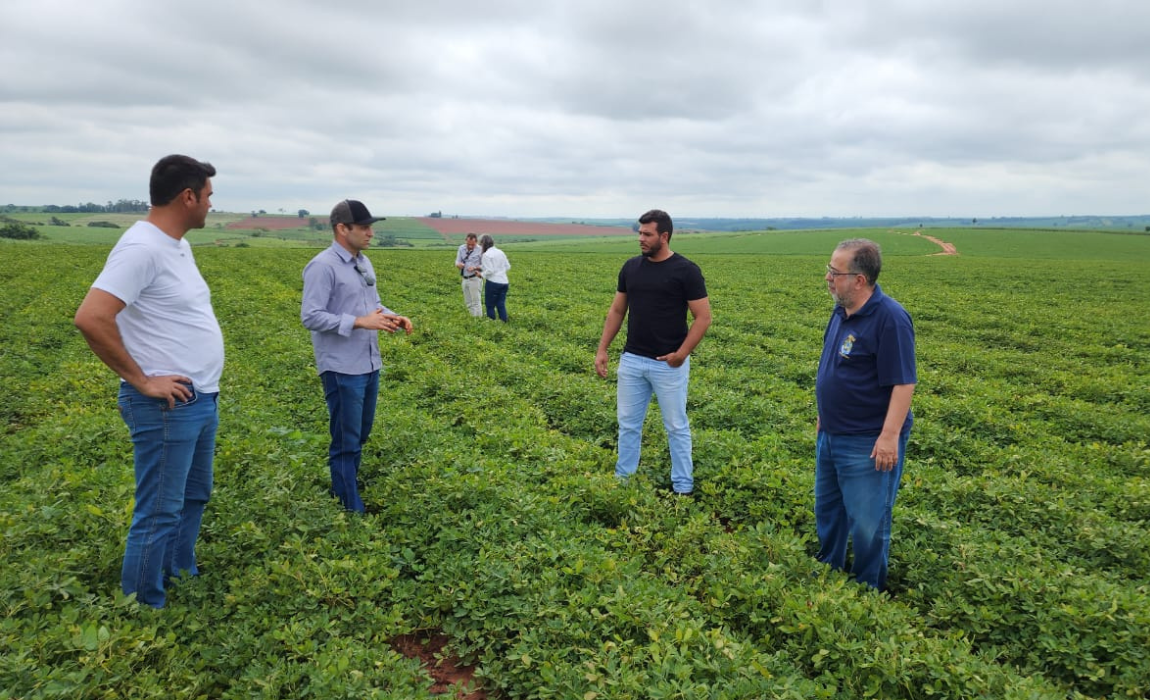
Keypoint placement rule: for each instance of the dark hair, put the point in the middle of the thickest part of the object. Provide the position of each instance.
(486, 242)
(662, 221)
(471, 235)
(174, 174)
(866, 259)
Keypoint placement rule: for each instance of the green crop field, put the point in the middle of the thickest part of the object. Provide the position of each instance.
(1020, 564)
(408, 231)
(998, 243)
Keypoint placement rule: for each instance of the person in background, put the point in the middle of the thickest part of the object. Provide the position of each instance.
(865, 382)
(342, 309)
(149, 318)
(495, 266)
(659, 287)
(467, 260)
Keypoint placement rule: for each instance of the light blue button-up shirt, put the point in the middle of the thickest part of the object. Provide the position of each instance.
(334, 295)
(469, 258)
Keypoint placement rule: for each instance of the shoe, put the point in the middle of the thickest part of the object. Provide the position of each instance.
(686, 495)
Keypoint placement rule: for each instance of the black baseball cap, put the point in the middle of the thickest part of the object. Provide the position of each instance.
(351, 211)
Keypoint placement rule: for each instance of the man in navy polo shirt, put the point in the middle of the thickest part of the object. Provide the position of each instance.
(864, 388)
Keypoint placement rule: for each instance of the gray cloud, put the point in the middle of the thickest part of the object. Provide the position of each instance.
(592, 108)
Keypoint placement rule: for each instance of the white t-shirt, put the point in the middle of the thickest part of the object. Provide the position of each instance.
(168, 325)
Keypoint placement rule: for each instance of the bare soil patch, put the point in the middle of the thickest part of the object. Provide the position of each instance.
(271, 223)
(947, 248)
(494, 227)
(448, 674)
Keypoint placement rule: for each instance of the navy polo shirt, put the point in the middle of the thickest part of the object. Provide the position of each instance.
(864, 356)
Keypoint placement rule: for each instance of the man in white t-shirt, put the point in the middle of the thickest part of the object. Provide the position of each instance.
(149, 318)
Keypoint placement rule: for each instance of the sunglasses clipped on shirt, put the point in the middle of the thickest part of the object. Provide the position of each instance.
(367, 276)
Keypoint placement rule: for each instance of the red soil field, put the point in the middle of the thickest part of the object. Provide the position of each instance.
(271, 223)
(452, 227)
(446, 671)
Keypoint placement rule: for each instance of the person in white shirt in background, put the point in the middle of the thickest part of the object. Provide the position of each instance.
(495, 266)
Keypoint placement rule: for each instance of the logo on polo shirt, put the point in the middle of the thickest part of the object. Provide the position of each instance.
(847, 346)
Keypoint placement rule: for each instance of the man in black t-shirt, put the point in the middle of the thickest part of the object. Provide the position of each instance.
(658, 287)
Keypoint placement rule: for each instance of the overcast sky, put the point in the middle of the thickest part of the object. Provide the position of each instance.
(586, 108)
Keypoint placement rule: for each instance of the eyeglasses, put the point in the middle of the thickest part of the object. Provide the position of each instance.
(835, 273)
(367, 276)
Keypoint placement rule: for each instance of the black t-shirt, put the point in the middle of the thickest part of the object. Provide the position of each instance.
(657, 296)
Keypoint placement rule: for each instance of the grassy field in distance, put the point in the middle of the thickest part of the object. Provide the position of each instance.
(1003, 243)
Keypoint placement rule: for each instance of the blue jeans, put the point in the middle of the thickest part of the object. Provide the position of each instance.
(854, 500)
(495, 298)
(639, 377)
(173, 450)
(351, 400)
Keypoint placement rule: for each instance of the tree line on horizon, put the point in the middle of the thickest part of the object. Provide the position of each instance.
(122, 206)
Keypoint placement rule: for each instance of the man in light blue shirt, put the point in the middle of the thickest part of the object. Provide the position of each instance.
(467, 259)
(342, 309)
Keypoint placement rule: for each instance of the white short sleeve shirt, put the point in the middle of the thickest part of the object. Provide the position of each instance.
(168, 325)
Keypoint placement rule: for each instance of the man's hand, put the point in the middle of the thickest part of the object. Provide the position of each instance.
(376, 321)
(170, 387)
(402, 322)
(601, 362)
(673, 359)
(379, 321)
(885, 452)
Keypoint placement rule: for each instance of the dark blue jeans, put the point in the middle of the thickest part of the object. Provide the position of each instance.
(854, 501)
(351, 400)
(495, 298)
(174, 448)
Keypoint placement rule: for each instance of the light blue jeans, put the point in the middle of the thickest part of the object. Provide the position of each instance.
(854, 501)
(639, 377)
(351, 401)
(174, 448)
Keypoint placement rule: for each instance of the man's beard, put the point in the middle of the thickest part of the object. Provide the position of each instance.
(652, 251)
